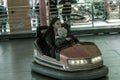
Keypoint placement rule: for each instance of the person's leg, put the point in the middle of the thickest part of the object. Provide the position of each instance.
(51, 47)
(52, 52)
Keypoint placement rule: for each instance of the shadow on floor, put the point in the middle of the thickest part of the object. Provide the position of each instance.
(36, 76)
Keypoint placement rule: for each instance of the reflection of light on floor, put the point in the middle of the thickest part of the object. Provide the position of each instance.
(113, 21)
(79, 25)
(106, 24)
(99, 24)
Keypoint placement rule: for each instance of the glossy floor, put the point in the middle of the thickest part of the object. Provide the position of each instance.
(16, 57)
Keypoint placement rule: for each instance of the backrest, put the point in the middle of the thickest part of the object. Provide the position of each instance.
(40, 31)
(41, 43)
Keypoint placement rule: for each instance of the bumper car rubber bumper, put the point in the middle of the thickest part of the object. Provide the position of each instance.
(59, 74)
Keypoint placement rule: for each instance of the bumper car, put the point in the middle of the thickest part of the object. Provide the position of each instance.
(81, 60)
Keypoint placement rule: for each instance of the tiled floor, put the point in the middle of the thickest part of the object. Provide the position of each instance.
(16, 57)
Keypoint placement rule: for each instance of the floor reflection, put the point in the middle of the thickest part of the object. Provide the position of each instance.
(36, 76)
(104, 78)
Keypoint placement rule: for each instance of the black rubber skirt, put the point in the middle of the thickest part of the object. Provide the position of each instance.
(60, 74)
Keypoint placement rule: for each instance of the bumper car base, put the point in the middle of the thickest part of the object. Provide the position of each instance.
(59, 74)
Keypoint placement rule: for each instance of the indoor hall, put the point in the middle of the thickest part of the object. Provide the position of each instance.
(16, 57)
(96, 24)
